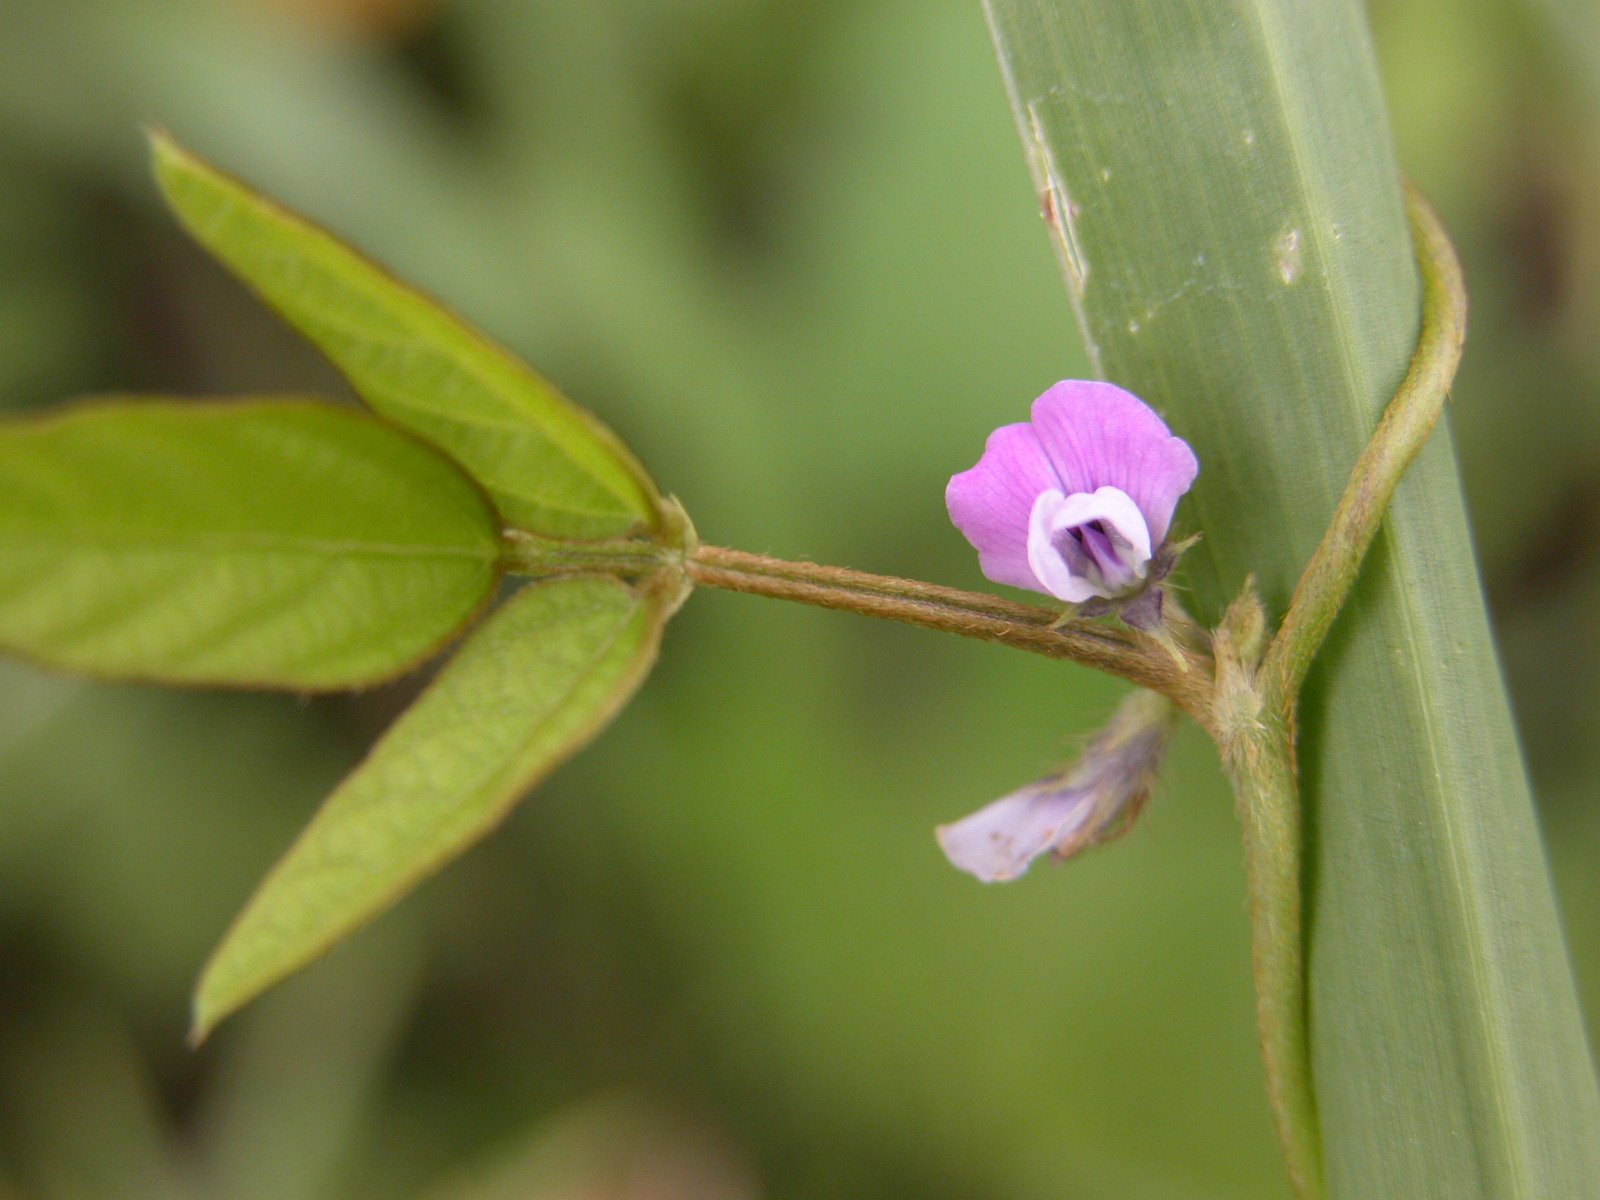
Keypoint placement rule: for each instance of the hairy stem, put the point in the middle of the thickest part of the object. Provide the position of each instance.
(1136, 657)
(1407, 422)
(1262, 765)
(1255, 711)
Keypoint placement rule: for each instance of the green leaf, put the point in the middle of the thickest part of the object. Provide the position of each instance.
(266, 543)
(549, 466)
(542, 677)
(1229, 221)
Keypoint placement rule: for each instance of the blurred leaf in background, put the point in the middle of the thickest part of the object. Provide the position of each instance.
(791, 253)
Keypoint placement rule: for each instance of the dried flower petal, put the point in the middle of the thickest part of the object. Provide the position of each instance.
(1090, 802)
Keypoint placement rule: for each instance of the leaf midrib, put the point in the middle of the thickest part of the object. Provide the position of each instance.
(223, 545)
(545, 433)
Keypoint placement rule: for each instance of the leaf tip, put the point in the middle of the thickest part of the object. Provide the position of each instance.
(178, 169)
(165, 150)
(226, 985)
(204, 1017)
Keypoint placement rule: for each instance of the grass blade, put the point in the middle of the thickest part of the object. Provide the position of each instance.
(1227, 213)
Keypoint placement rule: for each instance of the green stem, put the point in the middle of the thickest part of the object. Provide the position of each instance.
(1407, 422)
(1136, 657)
(523, 553)
(1254, 715)
(1266, 791)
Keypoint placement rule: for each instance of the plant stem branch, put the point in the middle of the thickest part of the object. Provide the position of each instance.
(1407, 422)
(1256, 709)
(1266, 789)
(1126, 653)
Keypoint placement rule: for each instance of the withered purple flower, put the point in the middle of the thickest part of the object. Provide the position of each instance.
(1075, 503)
(1090, 802)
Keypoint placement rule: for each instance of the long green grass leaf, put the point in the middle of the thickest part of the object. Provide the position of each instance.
(542, 677)
(263, 544)
(1226, 209)
(549, 466)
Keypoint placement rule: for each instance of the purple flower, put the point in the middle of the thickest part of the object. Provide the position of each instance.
(1077, 502)
(1090, 802)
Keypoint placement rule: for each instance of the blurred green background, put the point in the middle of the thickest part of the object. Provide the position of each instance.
(790, 252)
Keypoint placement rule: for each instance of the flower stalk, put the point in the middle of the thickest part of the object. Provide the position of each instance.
(1140, 658)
